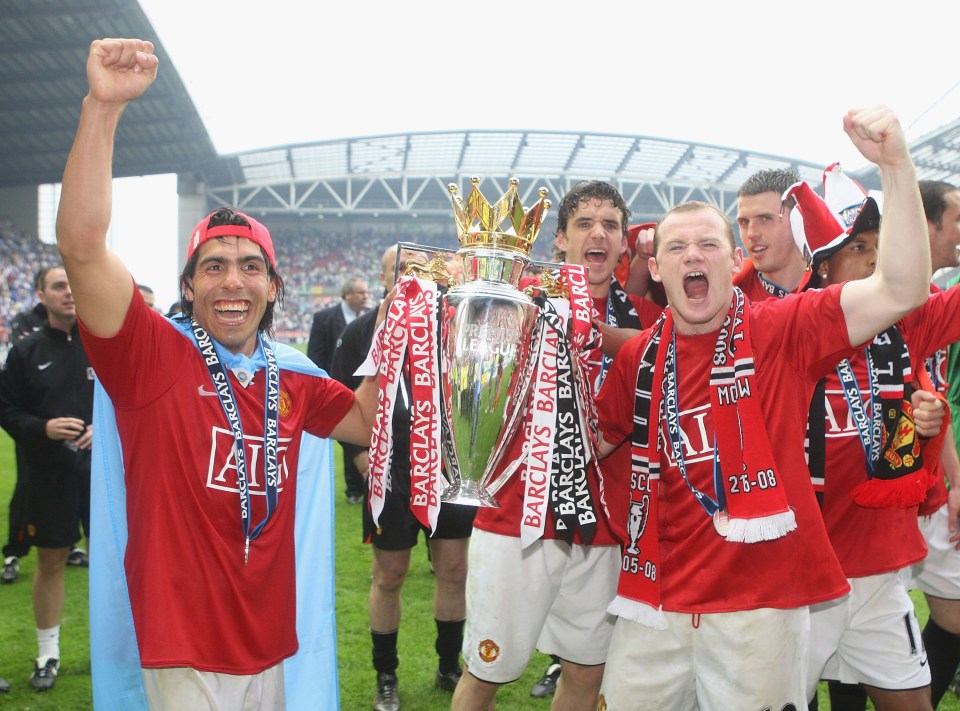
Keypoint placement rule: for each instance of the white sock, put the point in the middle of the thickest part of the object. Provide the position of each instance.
(48, 641)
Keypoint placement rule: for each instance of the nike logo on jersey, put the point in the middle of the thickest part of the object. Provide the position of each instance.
(44, 366)
(204, 390)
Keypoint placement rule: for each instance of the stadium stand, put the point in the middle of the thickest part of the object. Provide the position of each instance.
(313, 264)
(21, 256)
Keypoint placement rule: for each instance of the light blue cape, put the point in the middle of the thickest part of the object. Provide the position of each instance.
(310, 675)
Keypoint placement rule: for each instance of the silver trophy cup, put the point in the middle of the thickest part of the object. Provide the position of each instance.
(487, 334)
(488, 331)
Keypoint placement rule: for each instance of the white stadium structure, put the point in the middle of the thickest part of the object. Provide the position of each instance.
(389, 187)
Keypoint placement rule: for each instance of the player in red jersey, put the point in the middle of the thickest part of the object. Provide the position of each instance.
(552, 595)
(776, 265)
(939, 575)
(210, 417)
(870, 488)
(726, 546)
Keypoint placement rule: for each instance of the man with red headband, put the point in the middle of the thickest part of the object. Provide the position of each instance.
(214, 425)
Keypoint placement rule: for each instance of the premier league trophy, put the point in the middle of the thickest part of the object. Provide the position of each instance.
(484, 363)
(488, 334)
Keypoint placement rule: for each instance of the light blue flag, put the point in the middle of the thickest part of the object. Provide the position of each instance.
(311, 675)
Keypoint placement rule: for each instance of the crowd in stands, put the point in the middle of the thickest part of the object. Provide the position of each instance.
(21, 256)
(313, 264)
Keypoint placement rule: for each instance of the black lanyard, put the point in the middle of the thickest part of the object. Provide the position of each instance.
(868, 427)
(271, 430)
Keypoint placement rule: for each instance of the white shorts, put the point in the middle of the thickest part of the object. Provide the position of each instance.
(181, 688)
(727, 661)
(870, 636)
(551, 596)
(938, 574)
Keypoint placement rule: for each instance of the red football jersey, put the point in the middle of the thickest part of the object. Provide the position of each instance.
(796, 341)
(195, 603)
(871, 541)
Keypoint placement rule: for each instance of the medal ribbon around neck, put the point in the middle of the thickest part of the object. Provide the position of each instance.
(671, 407)
(771, 288)
(620, 313)
(605, 361)
(868, 426)
(271, 429)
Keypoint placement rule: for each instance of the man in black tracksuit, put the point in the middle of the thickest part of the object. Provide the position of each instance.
(24, 323)
(46, 404)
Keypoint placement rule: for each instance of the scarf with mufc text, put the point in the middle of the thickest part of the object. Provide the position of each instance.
(895, 471)
(409, 335)
(750, 498)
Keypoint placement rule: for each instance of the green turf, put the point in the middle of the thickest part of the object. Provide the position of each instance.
(357, 680)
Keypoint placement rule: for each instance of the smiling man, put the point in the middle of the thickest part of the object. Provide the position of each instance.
(210, 419)
(869, 493)
(725, 538)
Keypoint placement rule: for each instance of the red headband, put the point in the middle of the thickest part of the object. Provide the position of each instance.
(256, 233)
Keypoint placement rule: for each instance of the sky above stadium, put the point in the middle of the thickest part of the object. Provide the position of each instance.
(768, 77)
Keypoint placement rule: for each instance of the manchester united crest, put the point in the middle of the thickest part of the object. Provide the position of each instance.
(489, 650)
(286, 404)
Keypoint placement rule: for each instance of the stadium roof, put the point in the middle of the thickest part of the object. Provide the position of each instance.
(408, 173)
(521, 153)
(43, 50)
(44, 43)
(937, 155)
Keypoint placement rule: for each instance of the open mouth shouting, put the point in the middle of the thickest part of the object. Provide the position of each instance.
(695, 285)
(595, 255)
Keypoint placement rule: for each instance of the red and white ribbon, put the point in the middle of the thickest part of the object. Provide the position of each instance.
(425, 441)
(541, 429)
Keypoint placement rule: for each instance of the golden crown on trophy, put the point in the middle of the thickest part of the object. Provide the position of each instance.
(503, 225)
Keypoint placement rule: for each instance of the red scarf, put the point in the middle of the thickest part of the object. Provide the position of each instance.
(752, 503)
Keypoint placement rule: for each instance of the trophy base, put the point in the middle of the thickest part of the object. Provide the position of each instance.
(469, 493)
